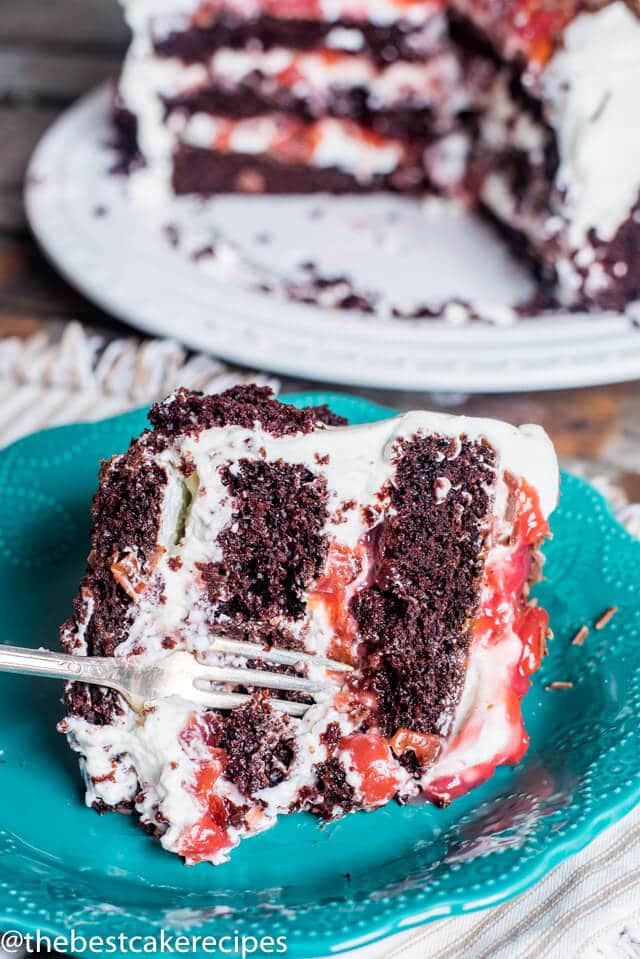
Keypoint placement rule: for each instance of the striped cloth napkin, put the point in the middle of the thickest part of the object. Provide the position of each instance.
(589, 906)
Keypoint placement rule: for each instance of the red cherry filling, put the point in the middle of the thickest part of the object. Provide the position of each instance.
(333, 592)
(207, 837)
(203, 841)
(425, 746)
(371, 758)
(536, 25)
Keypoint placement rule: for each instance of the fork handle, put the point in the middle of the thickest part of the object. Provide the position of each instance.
(44, 662)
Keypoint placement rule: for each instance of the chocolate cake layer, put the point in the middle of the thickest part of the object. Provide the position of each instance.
(191, 412)
(249, 99)
(126, 515)
(385, 44)
(197, 170)
(273, 548)
(414, 617)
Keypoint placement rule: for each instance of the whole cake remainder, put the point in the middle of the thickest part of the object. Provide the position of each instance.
(404, 548)
(523, 109)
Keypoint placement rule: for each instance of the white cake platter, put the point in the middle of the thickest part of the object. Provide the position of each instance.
(197, 271)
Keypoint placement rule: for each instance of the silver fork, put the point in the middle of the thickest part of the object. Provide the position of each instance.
(180, 674)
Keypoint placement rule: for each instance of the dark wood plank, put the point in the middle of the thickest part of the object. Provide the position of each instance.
(30, 287)
(12, 216)
(20, 130)
(62, 24)
(28, 74)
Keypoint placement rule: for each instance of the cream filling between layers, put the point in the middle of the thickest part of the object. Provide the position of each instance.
(325, 143)
(315, 75)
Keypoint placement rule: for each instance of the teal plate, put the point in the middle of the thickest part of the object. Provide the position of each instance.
(327, 888)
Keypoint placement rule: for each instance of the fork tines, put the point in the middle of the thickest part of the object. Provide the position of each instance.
(262, 678)
(284, 657)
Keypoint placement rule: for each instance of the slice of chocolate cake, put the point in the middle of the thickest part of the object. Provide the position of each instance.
(405, 548)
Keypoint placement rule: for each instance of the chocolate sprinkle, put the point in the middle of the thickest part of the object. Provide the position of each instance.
(606, 617)
(580, 636)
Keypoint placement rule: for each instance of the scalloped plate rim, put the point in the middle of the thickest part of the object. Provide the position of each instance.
(407, 915)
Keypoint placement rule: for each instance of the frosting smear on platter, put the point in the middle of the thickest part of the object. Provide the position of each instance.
(405, 548)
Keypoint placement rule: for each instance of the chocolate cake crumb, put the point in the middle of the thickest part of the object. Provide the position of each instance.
(278, 636)
(336, 292)
(125, 139)
(427, 568)
(410, 762)
(273, 547)
(331, 736)
(204, 253)
(187, 466)
(282, 670)
(257, 741)
(122, 807)
(172, 233)
(160, 823)
(335, 795)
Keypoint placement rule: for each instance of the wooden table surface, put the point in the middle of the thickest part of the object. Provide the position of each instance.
(50, 53)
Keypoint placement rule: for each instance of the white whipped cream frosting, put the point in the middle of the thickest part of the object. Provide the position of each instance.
(592, 86)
